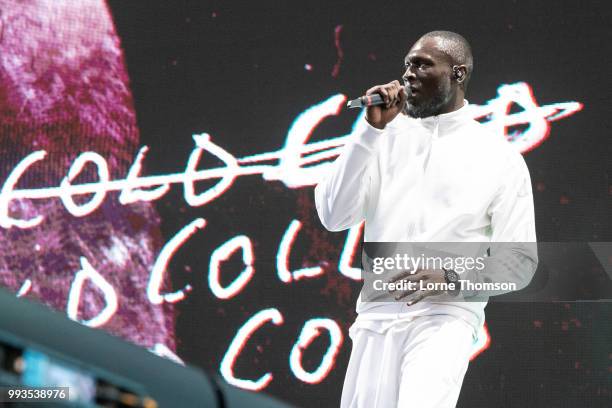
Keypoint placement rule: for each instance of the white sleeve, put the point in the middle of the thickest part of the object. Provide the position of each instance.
(341, 197)
(511, 212)
(513, 250)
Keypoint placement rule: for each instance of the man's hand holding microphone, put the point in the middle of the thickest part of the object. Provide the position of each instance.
(393, 102)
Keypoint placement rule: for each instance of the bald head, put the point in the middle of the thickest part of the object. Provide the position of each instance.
(456, 47)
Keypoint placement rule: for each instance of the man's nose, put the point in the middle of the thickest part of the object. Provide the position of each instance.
(409, 75)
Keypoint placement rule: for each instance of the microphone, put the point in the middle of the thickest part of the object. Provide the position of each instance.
(366, 100)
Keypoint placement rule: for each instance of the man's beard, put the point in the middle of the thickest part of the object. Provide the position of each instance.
(432, 106)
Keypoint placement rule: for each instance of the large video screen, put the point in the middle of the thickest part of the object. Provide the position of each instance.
(159, 160)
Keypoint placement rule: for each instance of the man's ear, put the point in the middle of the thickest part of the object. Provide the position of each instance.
(459, 72)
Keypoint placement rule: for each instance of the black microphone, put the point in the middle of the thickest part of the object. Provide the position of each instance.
(366, 100)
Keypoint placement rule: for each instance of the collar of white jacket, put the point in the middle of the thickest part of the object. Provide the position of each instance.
(440, 124)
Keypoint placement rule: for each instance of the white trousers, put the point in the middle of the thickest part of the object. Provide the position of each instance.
(418, 363)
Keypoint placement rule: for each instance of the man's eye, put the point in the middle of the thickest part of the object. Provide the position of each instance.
(420, 67)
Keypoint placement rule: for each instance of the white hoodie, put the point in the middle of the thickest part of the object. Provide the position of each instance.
(443, 178)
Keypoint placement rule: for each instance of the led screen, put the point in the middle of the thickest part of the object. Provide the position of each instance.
(159, 160)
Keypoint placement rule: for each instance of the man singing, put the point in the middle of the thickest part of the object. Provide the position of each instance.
(420, 169)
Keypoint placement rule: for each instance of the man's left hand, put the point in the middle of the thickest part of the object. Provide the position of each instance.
(422, 277)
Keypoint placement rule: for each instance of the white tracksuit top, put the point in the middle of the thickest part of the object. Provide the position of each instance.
(443, 178)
